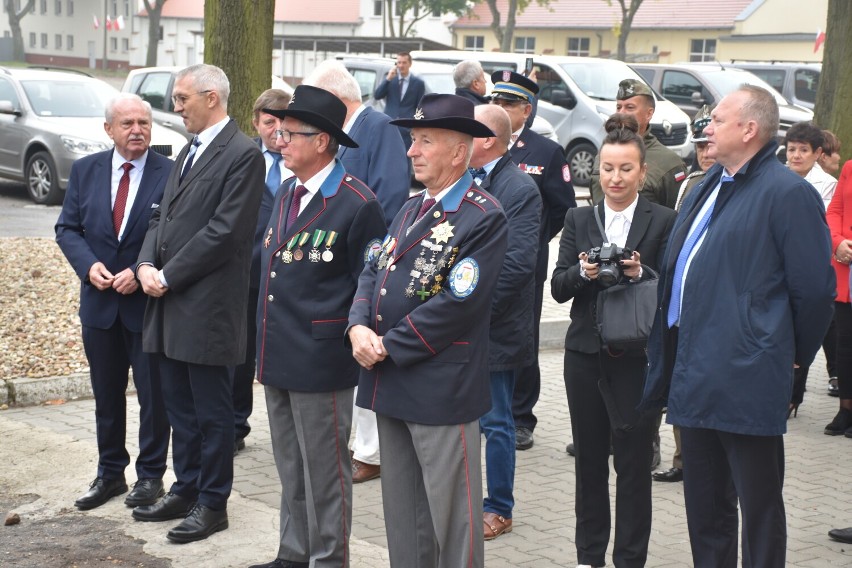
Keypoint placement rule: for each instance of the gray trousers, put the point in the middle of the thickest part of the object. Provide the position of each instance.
(310, 432)
(432, 494)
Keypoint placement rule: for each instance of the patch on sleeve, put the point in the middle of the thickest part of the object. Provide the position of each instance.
(371, 252)
(464, 277)
(680, 176)
(566, 173)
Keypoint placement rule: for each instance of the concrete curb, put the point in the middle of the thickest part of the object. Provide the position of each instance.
(26, 391)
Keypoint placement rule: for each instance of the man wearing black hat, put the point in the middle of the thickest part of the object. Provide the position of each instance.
(665, 168)
(419, 328)
(544, 161)
(324, 224)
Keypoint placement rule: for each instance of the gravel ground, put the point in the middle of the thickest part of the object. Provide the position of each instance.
(39, 299)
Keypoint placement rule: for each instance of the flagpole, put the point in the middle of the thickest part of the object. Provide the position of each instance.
(106, 62)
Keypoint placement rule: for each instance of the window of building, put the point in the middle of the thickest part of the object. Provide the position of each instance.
(58, 41)
(378, 7)
(57, 7)
(69, 42)
(579, 46)
(397, 9)
(32, 39)
(474, 43)
(125, 45)
(42, 7)
(524, 45)
(70, 7)
(702, 50)
(114, 11)
(126, 8)
(113, 44)
(436, 13)
(44, 40)
(161, 34)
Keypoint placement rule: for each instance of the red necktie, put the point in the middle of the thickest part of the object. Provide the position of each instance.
(121, 198)
(301, 190)
(427, 205)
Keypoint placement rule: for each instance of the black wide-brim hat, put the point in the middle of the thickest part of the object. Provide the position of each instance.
(319, 108)
(450, 112)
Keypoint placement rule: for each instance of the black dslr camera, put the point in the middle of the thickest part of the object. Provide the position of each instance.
(608, 258)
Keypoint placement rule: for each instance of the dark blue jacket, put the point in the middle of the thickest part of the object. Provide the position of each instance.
(379, 161)
(431, 301)
(758, 298)
(512, 314)
(389, 90)
(85, 234)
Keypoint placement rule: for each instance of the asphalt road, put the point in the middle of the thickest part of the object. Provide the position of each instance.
(20, 217)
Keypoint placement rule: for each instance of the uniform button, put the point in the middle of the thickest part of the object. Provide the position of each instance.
(383, 291)
(169, 218)
(271, 298)
(164, 246)
(277, 254)
(379, 317)
(393, 267)
(272, 275)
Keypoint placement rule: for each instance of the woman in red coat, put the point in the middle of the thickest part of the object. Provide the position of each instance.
(839, 216)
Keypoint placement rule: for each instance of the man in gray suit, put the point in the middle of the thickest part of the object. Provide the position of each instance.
(194, 266)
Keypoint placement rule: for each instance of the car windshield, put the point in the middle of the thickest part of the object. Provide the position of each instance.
(68, 98)
(599, 80)
(727, 81)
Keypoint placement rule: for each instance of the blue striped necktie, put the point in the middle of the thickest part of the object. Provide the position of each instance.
(190, 157)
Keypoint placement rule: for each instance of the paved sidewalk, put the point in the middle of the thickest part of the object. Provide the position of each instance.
(50, 451)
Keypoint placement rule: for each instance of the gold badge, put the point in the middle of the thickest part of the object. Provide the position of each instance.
(442, 233)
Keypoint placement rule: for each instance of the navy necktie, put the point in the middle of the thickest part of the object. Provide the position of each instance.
(273, 177)
(673, 315)
(190, 157)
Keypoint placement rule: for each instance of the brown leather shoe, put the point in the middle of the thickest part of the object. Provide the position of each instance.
(362, 472)
(494, 525)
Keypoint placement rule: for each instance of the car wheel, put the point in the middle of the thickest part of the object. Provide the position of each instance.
(42, 181)
(581, 159)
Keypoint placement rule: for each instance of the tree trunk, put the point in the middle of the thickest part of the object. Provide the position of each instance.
(154, 12)
(627, 13)
(495, 21)
(238, 39)
(15, 27)
(834, 93)
(509, 29)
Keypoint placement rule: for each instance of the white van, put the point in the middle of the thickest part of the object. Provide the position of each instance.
(577, 95)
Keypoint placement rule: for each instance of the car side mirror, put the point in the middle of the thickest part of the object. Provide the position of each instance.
(563, 99)
(7, 108)
(697, 98)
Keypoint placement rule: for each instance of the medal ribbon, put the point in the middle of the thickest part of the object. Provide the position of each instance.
(303, 238)
(292, 242)
(332, 237)
(319, 235)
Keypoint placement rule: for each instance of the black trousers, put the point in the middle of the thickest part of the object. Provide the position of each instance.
(603, 391)
(201, 411)
(843, 321)
(528, 379)
(720, 470)
(243, 374)
(111, 353)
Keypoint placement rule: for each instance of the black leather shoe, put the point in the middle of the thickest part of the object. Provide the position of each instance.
(100, 491)
(843, 535)
(671, 475)
(171, 506)
(523, 438)
(201, 522)
(239, 444)
(281, 563)
(842, 422)
(569, 449)
(145, 492)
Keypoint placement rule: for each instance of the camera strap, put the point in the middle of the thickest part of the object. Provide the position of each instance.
(597, 214)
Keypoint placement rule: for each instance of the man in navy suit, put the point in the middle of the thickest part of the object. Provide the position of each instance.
(103, 222)
(402, 91)
(324, 224)
(266, 125)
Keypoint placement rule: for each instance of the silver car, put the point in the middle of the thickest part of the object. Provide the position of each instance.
(49, 119)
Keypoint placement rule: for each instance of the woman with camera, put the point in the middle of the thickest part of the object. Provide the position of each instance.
(603, 385)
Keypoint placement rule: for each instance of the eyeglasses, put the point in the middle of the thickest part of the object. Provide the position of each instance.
(508, 103)
(287, 136)
(181, 99)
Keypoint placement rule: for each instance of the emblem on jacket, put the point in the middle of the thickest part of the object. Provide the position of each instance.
(464, 277)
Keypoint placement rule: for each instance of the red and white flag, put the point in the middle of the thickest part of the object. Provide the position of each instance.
(119, 23)
(820, 39)
(95, 21)
(108, 23)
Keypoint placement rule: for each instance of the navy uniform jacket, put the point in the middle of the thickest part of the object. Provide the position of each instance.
(389, 90)
(85, 234)
(304, 304)
(758, 298)
(379, 161)
(544, 161)
(201, 238)
(435, 330)
(512, 314)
